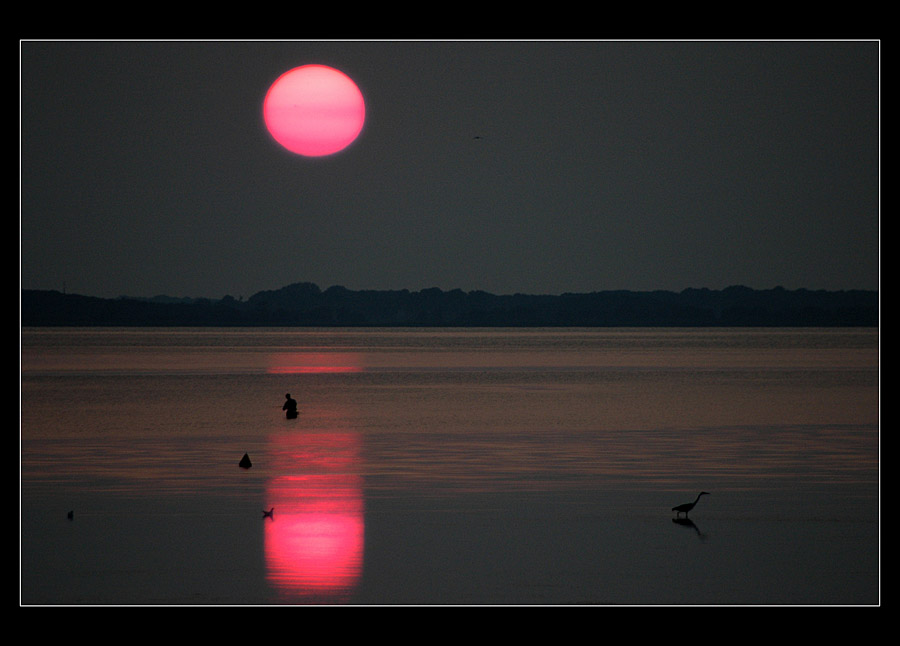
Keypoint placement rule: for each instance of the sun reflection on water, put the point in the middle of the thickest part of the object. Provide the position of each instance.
(314, 540)
(300, 363)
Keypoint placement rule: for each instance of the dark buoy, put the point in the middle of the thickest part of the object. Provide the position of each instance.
(245, 462)
(70, 515)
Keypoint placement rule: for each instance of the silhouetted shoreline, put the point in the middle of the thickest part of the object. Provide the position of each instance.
(305, 304)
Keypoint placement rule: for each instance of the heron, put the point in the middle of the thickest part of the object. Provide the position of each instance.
(269, 514)
(686, 507)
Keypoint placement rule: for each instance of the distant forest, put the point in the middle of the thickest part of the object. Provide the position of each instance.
(304, 304)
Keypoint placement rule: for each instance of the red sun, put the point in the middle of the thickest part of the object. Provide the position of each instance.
(314, 110)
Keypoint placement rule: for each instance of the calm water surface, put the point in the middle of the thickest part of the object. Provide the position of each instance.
(449, 466)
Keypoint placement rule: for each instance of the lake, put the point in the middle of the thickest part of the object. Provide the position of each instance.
(450, 466)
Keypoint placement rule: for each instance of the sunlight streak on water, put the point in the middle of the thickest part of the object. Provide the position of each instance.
(314, 539)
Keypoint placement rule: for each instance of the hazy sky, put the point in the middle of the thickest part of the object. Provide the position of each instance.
(146, 168)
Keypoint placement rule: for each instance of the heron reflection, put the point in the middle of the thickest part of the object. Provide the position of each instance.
(688, 523)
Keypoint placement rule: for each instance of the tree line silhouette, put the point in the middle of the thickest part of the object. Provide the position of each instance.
(305, 304)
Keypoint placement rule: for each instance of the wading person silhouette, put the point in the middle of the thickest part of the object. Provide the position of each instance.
(290, 406)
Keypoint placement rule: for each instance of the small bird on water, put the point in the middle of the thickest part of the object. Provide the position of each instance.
(686, 507)
(269, 514)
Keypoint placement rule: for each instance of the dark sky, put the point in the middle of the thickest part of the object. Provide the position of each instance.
(146, 168)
